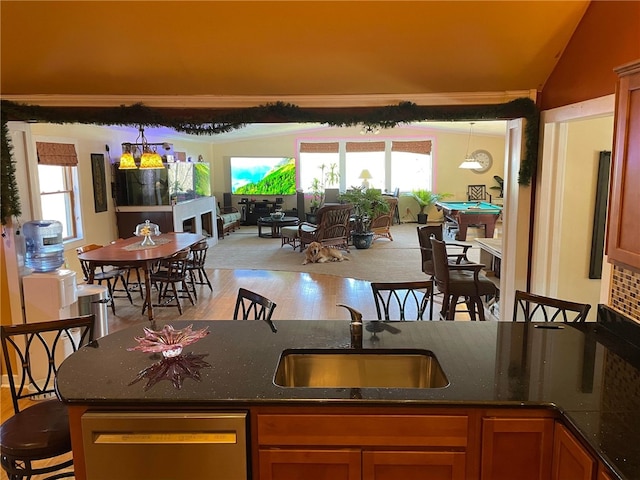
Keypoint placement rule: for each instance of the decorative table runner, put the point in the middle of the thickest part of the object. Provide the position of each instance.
(138, 246)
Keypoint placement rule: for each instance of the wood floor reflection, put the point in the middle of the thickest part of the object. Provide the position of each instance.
(300, 296)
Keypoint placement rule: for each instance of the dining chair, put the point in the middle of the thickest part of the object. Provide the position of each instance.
(171, 271)
(139, 280)
(459, 280)
(108, 275)
(400, 300)
(457, 256)
(254, 307)
(38, 433)
(531, 307)
(196, 266)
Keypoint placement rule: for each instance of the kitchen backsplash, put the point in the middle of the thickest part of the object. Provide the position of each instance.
(625, 292)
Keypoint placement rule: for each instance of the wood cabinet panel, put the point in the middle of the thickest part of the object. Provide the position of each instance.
(624, 208)
(603, 474)
(570, 460)
(516, 448)
(310, 464)
(379, 465)
(364, 430)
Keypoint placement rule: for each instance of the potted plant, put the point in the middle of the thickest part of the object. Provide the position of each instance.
(367, 204)
(500, 187)
(426, 199)
(318, 185)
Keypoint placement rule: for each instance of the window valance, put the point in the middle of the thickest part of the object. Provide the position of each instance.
(422, 146)
(319, 147)
(365, 147)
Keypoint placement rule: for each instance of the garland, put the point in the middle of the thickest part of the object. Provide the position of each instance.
(216, 121)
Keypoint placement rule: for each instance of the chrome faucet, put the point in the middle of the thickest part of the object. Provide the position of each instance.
(355, 326)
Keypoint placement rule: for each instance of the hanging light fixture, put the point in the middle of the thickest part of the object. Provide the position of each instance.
(149, 159)
(127, 162)
(470, 163)
(369, 130)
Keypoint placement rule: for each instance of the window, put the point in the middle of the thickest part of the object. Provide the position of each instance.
(58, 187)
(403, 164)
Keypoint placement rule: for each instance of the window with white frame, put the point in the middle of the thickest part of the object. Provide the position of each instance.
(388, 164)
(58, 186)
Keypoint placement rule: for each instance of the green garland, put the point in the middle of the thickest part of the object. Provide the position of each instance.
(215, 121)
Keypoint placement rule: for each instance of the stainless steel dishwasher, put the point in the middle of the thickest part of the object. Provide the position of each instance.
(165, 445)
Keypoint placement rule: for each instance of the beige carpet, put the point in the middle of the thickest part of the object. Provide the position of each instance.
(390, 261)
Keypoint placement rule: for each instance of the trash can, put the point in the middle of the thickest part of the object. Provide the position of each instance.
(94, 299)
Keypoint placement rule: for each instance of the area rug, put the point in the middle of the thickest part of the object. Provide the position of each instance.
(386, 261)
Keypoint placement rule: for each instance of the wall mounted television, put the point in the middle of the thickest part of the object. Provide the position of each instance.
(263, 175)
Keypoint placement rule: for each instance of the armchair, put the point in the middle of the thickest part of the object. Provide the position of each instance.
(381, 225)
(331, 229)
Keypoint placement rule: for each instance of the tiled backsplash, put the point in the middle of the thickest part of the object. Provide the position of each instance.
(625, 292)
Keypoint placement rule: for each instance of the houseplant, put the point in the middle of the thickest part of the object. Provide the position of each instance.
(426, 199)
(367, 203)
(326, 179)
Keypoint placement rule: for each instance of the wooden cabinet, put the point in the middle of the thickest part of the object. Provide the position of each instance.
(570, 459)
(516, 448)
(603, 474)
(357, 446)
(623, 244)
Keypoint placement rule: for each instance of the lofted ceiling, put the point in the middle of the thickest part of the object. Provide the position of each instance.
(268, 48)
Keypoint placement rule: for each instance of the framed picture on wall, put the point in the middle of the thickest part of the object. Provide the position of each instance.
(99, 182)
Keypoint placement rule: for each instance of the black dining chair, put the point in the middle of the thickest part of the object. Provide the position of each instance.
(253, 306)
(172, 271)
(401, 300)
(531, 307)
(196, 266)
(33, 438)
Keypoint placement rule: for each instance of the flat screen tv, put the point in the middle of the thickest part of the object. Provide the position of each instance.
(263, 176)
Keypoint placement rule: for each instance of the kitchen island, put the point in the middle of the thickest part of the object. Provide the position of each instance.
(582, 377)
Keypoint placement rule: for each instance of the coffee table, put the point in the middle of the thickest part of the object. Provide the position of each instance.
(276, 225)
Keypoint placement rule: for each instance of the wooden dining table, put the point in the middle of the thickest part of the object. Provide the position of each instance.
(130, 253)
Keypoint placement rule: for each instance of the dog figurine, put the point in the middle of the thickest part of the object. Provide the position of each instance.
(316, 253)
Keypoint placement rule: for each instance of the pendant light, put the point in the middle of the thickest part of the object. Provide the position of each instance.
(469, 162)
(150, 158)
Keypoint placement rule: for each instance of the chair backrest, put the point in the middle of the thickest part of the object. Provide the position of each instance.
(34, 351)
(86, 271)
(385, 219)
(254, 307)
(199, 254)
(477, 192)
(333, 221)
(425, 232)
(176, 265)
(440, 262)
(530, 307)
(401, 300)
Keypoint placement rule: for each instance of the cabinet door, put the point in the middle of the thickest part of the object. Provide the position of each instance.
(516, 448)
(624, 210)
(570, 460)
(413, 465)
(310, 464)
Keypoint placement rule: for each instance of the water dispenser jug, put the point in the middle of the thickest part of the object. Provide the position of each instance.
(44, 247)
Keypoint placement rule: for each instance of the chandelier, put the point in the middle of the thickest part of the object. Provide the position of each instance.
(142, 149)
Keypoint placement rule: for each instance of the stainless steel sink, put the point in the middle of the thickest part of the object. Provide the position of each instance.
(366, 368)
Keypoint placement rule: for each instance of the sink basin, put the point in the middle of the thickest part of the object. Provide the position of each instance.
(366, 368)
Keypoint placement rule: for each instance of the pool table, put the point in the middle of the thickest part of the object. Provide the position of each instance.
(464, 214)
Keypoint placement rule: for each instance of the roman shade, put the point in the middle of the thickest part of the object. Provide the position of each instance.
(365, 147)
(422, 147)
(319, 147)
(59, 154)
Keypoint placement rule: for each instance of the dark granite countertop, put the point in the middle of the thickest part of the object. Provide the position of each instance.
(584, 371)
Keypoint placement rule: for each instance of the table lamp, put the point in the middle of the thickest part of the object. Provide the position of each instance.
(365, 175)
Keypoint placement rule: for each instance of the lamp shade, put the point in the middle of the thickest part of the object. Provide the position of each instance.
(365, 174)
(127, 162)
(470, 163)
(150, 160)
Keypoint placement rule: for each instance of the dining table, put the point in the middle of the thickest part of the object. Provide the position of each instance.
(130, 252)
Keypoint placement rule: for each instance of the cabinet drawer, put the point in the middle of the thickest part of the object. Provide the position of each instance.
(364, 430)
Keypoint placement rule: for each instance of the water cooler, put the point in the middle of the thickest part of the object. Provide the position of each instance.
(49, 295)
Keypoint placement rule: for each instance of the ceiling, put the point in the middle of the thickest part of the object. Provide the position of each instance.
(267, 48)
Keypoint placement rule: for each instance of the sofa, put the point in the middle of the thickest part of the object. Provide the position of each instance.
(228, 219)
